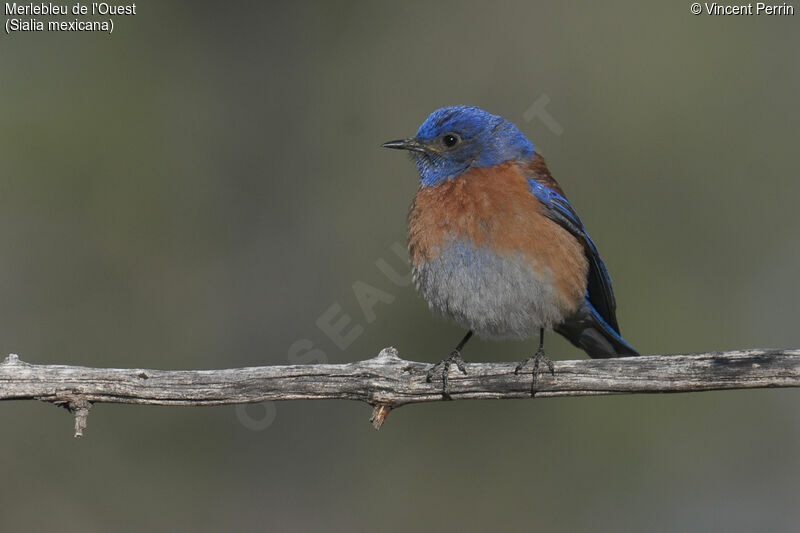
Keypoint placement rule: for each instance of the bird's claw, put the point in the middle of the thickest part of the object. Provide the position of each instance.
(537, 359)
(443, 368)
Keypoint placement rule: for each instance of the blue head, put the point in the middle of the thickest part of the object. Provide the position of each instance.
(454, 139)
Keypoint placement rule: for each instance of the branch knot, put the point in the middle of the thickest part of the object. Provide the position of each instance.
(13, 360)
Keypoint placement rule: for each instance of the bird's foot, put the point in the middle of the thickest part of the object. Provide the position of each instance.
(443, 368)
(538, 359)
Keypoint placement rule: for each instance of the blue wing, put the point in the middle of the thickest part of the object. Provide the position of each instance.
(557, 208)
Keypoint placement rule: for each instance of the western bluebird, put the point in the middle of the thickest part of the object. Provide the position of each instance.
(496, 247)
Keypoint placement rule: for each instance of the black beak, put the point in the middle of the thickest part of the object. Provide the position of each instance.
(411, 144)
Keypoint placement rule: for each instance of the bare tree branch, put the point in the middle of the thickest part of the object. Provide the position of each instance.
(387, 381)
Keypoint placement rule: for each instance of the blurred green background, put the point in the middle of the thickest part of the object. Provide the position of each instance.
(198, 188)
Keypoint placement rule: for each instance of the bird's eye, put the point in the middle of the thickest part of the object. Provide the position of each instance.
(450, 139)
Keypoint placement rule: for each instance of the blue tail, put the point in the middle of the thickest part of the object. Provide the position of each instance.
(587, 330)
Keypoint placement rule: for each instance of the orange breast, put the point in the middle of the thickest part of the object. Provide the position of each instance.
(493, 208)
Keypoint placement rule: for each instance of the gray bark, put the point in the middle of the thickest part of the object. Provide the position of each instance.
(387, 381)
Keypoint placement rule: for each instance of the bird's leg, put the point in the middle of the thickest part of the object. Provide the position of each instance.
(537, 359)
(443, 366)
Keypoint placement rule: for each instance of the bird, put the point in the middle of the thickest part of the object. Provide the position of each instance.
(496, 247)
